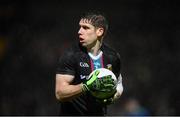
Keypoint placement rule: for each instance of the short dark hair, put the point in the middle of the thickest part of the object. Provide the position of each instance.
(97, 19)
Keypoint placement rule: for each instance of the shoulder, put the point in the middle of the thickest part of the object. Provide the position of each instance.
(110, 51)
(72, 50)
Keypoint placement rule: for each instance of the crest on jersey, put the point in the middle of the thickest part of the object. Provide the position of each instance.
(109, 66)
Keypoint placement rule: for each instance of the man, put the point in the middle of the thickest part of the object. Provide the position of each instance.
(78, 62)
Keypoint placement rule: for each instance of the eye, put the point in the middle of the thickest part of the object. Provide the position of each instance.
(85, 27)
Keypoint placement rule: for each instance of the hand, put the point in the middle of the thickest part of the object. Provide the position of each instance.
(86, 86)
(117, 95)
(110, 100)
(95, 84)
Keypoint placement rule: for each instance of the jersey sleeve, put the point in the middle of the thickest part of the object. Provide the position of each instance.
(117, 65)
(119, 87)
(66, 64)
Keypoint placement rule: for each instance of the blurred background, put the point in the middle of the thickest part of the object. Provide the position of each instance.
(33, 34)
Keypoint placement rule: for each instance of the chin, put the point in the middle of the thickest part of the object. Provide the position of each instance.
(87, 45)
(84, 44)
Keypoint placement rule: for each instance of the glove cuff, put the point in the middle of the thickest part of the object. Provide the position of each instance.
(84, 88)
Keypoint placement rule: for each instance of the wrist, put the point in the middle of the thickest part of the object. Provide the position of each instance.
(84, 88)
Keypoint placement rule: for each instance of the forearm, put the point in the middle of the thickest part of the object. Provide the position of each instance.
(68, 92)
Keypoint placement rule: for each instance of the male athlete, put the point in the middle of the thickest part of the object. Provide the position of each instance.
(75, 65)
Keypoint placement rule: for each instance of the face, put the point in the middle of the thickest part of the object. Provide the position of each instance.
(88, 34)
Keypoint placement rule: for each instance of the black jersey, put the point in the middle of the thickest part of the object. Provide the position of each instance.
(76, 61)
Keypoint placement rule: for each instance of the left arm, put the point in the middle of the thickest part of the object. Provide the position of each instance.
(119, 88)
(117, 70)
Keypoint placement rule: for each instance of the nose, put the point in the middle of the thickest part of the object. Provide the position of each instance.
(79, 32)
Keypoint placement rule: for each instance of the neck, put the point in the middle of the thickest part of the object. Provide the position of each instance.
(95, 50)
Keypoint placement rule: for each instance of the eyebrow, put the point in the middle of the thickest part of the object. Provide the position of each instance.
(86, 24)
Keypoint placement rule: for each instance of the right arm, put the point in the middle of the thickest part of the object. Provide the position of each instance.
(64, 90)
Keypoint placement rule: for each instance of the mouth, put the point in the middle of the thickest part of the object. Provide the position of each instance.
(81, 39)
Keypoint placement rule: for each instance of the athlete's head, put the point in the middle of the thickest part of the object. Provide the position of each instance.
(93, 26)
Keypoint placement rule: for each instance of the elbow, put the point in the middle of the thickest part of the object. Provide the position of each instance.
(60, 97)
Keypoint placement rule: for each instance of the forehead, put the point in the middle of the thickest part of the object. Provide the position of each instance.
(85, 22)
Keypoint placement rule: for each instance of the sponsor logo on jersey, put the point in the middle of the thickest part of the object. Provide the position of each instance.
(83, 64)
(83, 77)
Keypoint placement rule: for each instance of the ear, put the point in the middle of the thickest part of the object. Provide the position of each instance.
(99, 31)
